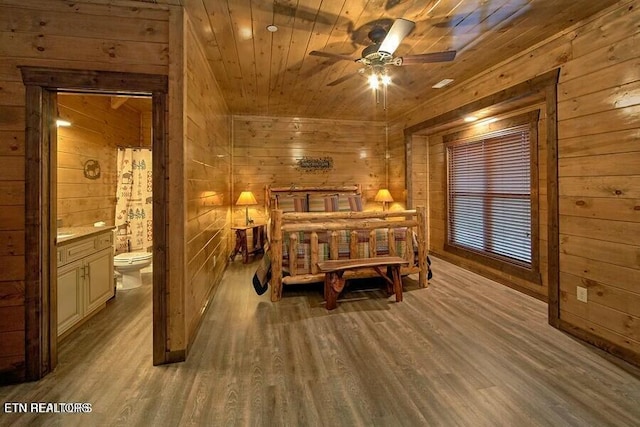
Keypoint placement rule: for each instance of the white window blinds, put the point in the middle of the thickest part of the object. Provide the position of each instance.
(489, 194)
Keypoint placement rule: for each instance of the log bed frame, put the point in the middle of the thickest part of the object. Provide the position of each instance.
(291, 223)
(270, 192)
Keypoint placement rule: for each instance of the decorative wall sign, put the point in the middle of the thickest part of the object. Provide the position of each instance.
(92, 169)
(315, 164)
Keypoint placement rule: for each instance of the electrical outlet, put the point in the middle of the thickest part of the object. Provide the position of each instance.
(581, 293)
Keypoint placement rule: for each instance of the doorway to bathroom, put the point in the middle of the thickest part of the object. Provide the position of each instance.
(104, 207)
(43, 86)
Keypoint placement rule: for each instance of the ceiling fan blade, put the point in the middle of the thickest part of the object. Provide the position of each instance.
(429, 57)
(341, 79)
(398, 31)
(331, 55)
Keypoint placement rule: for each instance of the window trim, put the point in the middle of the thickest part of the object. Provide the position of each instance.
(506, 265)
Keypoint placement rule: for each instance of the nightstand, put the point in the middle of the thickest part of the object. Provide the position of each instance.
(258, 232)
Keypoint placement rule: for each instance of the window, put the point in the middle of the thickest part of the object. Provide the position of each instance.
(489, 196)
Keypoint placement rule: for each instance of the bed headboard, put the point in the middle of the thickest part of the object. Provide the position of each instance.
(271, 191)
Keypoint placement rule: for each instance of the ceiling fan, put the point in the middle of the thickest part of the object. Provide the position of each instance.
(379, 54)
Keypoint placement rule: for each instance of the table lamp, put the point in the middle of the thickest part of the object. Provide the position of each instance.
(246, 199)
(383, 196)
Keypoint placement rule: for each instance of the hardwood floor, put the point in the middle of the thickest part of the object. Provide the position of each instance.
(465, 351)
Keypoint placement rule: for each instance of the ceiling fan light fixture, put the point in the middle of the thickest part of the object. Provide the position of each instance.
(442, 83)
(272, 28)
(385, 79)
(373, 81)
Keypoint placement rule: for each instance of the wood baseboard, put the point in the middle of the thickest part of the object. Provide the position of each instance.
(582, 334)
(194, 327)
(486, 273)
(601, 343)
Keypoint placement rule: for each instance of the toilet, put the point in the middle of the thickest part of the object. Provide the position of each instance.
(129, 265)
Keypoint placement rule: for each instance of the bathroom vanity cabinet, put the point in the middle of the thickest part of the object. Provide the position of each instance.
(85, 274)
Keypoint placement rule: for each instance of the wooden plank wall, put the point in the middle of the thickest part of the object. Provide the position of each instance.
(96, 132)
(417, 165)
(599, 166)
(56, 34)
(418, 158)
(266, 150)
(395, 159)
(208, 176)
(146, 131)
(143, 106)
(599, 178)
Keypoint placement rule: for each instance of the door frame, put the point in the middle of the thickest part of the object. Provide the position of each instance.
(42, 85)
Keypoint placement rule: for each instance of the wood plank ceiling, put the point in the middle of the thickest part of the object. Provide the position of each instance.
(265, 73)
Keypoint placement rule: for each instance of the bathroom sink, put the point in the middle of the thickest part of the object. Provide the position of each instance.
(62, 235)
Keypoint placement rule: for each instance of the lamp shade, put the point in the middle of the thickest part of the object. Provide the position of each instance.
(383, 196)
(246, 198)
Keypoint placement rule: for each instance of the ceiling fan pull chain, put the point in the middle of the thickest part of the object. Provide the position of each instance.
(384, 97)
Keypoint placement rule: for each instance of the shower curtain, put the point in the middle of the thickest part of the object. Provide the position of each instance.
(134, 219)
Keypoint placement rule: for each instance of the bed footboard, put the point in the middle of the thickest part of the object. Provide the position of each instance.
(288, 226)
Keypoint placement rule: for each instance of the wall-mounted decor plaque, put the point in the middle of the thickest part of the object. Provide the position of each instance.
(92, 169)
(315, 164)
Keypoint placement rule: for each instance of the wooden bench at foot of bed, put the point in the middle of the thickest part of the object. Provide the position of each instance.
(334, 269)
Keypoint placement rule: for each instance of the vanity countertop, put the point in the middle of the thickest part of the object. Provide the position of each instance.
(70, 234)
